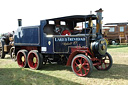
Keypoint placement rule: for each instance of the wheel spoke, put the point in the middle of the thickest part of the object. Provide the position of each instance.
(103, 60)
(85, 64)
(81, 72)
(102, 66)
(80, 60)
(85, 68)
(76, 64)
(105, 65)
(85, 61)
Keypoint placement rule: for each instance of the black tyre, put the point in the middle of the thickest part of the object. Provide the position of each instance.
(105, 62)
(22, 58)
(82, 65)
(35, 60)
(2, 53)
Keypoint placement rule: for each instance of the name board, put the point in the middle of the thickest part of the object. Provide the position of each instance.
(69, 39)
(63, 44)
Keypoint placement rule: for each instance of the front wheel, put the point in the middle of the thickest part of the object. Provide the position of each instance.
(82, 65)
(105, 62)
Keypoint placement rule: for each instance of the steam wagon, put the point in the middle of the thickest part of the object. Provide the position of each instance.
(7, 45)
(75, 41)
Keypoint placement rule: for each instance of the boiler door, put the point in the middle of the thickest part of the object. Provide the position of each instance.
(99, 47)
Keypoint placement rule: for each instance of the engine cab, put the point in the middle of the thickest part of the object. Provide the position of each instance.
(69, 33)
(72, 32)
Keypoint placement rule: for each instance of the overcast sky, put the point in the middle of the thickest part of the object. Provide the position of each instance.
(32, 11)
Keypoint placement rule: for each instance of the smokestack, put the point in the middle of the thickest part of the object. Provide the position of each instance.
(99, 21)
(19, 22)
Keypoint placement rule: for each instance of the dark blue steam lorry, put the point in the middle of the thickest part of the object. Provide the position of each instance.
(75, 41)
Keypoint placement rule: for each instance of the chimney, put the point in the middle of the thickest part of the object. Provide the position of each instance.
(99, 21)
(19, 22)
(90, 12)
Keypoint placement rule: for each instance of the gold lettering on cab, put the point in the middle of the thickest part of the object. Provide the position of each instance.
(66, 43)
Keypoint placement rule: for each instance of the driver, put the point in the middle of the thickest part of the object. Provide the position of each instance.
(57, 30)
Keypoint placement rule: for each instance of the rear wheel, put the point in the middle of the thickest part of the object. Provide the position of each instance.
(82, 65)
(105, 62)
(35, 60)
(2, 53)
(22, 58)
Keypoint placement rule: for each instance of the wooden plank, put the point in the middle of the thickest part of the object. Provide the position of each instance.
(123, 43)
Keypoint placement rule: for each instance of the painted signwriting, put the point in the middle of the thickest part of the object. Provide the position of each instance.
(67, 43)
(63, 44)
(69, 39)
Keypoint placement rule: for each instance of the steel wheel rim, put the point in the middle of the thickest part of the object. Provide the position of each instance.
(104, 63)
(81, 66)
(20, 61)
(0, 53)
(32, 60)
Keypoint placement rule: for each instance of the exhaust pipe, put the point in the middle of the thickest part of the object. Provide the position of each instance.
(19, 22)
(99, 21)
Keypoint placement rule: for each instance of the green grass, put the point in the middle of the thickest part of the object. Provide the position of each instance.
(11, 74)
(118, 50)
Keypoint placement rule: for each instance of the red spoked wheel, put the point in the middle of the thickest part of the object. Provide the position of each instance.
(22, 58)
(105, 62)
(66, 32)
(34, 60)
(82, 65)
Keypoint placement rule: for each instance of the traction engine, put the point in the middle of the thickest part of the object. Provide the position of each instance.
(75, 41)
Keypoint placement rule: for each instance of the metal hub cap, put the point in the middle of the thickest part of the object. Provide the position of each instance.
(80, 66)
(22, 58)
(34, 59)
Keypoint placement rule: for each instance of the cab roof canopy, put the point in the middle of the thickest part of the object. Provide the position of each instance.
(122, 23)
(76, 18)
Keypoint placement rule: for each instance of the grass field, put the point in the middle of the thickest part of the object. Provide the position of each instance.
(11, 74)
